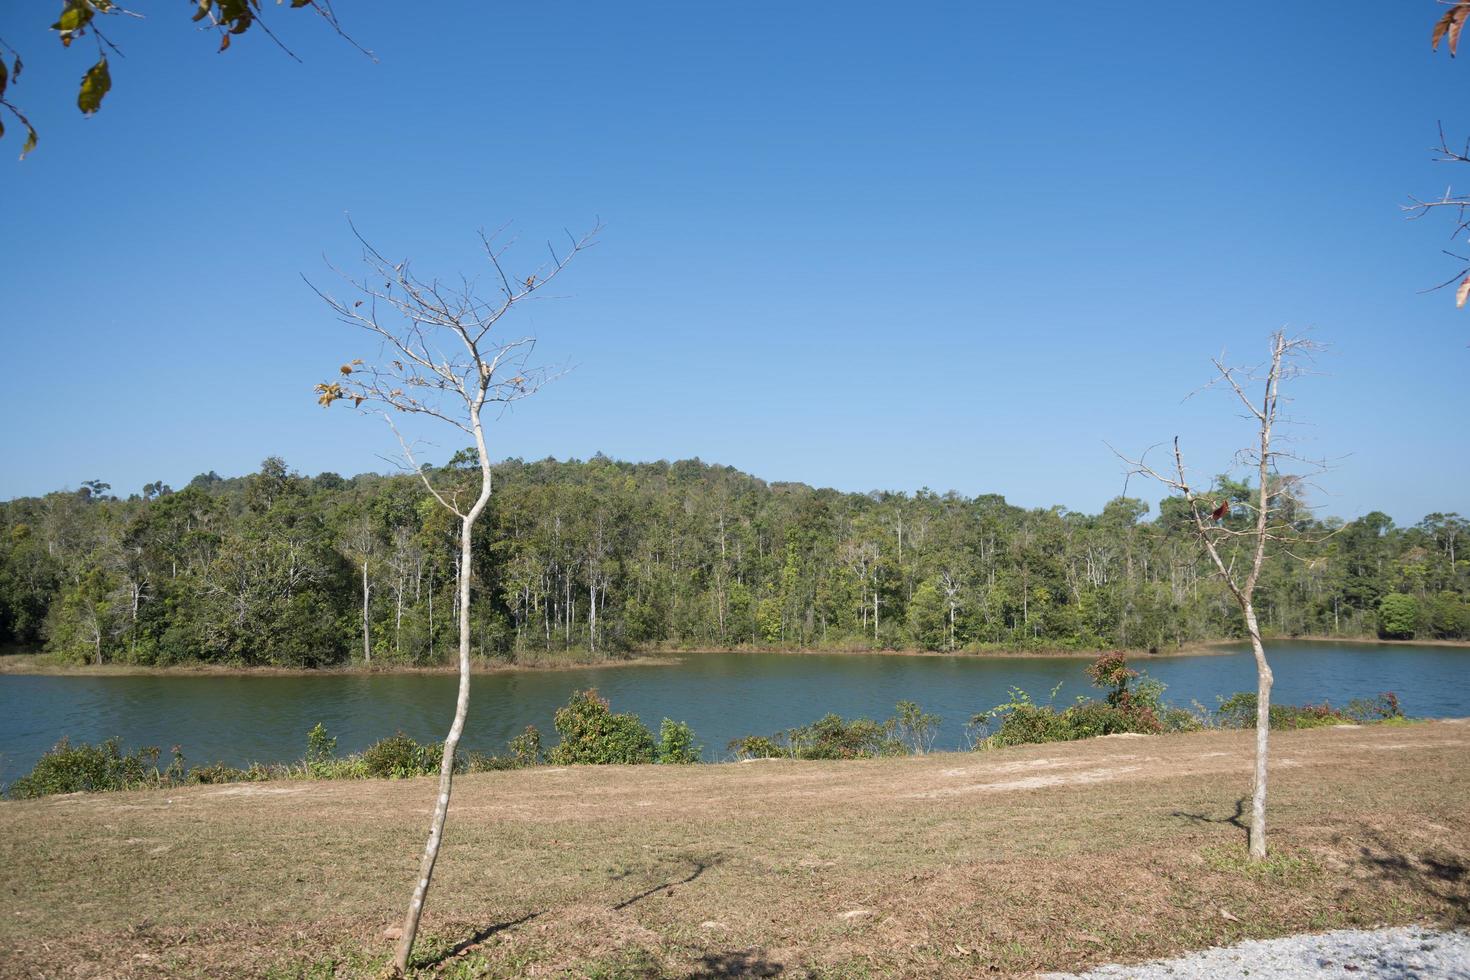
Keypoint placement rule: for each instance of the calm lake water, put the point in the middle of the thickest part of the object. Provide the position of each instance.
(722, 695)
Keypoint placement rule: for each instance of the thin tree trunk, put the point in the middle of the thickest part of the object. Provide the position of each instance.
(367, 643)
(1257, 833)
(461, 709)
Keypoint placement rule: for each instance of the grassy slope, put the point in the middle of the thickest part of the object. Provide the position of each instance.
(1054, 856)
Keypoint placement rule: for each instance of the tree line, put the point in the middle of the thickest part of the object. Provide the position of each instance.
(599, 557)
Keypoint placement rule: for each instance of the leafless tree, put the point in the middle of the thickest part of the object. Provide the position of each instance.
(1457, 204)
(1268, 525)
(441, 355)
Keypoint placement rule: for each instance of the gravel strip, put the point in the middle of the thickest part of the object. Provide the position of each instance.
(1405, 953)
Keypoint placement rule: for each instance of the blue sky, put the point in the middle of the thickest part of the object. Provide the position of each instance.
(866, 246)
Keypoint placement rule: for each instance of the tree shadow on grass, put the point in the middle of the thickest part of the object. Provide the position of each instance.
(736, 963)
(701, 865)
(1236, 819)
(469, 943)
(1437, 874)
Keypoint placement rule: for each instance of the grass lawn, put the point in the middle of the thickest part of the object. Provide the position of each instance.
(1035, 858)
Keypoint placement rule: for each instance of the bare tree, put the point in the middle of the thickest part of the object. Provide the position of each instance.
(440, 355)
(1459, 206)
(1448, 29)
(1239, 548)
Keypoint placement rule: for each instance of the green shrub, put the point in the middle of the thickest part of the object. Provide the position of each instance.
(525, 748)
(217, 773)
(757, 747)
(321, 749)
(1023, 723)
(399, 757)
(676, 743)
(592, 735)
(829, 737)
(1385, 707)
(1093, 718)
(1177, 720)
(916, 730)
(84, 768)
(1239, 711)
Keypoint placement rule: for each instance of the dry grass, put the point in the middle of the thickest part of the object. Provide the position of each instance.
(1041, 857)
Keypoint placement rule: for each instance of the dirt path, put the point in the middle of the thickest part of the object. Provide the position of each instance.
(1042, 857)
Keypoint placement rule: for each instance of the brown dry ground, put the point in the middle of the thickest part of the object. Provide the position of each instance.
(951, 865)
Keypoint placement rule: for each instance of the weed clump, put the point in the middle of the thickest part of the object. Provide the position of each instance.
(832, 737)
(1239, 711)
(1133, 705)
(84, 768)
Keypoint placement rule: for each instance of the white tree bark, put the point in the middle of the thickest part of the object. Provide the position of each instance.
(461, 711)
(419, 378)
(367, 592)
(1264, 679)
(1260, 530)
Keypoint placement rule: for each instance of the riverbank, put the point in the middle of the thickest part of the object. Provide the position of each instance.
(1202, 649)
(1047, 857)
(46, 664)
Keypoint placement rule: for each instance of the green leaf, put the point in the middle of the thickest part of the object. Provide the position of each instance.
(301, 3)
(203, 10)
(4, 78)
(73, 18)
(95, 84)
(30, 143)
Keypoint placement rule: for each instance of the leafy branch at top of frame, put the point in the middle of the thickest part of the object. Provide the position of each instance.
(80, 19)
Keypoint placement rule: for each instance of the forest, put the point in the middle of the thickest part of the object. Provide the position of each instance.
(598, 558)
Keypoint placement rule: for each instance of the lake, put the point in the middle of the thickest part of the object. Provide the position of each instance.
(238, 719)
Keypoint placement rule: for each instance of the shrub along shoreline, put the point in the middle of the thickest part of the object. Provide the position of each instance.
(592, 734)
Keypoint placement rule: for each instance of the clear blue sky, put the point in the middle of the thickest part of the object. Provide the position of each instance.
(858, 245)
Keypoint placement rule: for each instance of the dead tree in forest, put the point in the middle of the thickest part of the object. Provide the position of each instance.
(440, 355)
(1239, 546)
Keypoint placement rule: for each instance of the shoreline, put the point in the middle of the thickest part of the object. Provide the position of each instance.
(36, 664)
(30, 667)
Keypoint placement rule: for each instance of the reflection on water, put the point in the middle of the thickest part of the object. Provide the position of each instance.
(725, 695)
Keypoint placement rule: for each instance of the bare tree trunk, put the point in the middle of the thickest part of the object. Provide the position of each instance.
(1264, 678)
(367, 642)
(461, 710)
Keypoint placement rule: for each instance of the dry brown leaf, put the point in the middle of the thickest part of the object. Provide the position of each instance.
(1449, 27)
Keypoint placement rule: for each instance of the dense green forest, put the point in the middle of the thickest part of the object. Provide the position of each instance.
(601, 557)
